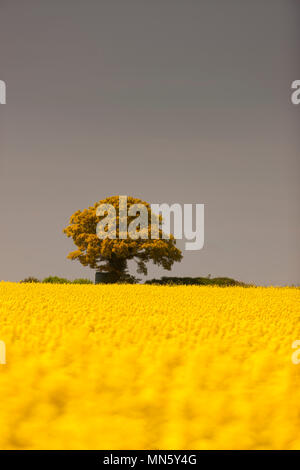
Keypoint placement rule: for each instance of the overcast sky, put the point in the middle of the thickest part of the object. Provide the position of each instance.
(170, 101)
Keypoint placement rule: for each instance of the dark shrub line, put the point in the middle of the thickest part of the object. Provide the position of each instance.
(57, 280)
(196, 281)
(171, 281)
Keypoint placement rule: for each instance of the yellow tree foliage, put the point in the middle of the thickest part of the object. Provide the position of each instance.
(112, 255)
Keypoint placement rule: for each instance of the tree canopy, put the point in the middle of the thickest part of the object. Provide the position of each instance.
(112, 255)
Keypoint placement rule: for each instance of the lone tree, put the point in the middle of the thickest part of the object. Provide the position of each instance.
(111, 255)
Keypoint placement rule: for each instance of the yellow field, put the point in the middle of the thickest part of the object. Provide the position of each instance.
(148, 367)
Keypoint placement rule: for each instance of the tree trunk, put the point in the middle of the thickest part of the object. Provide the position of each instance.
(118, 268)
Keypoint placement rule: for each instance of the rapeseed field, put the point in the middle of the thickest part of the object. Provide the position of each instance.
(148, 367)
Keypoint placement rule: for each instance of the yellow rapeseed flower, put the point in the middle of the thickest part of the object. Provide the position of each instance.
(148, 367)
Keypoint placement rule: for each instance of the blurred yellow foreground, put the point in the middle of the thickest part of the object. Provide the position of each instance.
(148, 367)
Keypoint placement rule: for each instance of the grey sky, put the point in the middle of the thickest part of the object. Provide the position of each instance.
(170, 101)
